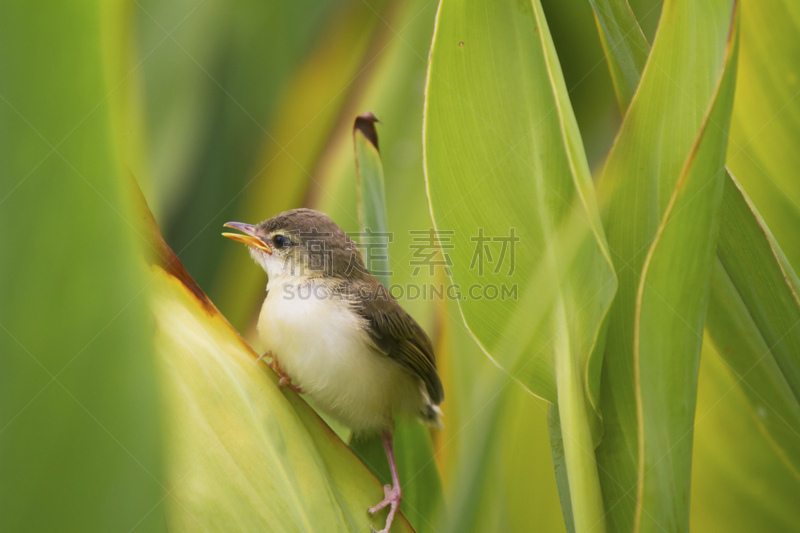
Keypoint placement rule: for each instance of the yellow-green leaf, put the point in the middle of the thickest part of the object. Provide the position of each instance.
(241, 454)
(739, 482)
(753, 308)
(504, 160)
(659, 193)
(763, 154)
(624, 44)
(670, 312)
(752, 321)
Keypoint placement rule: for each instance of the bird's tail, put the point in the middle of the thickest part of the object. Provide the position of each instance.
(431, 415)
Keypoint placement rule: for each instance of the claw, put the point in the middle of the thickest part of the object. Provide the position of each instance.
(285, 379)
(392, 493)
(389, 498)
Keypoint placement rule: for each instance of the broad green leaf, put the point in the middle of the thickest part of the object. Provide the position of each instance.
(739, 483)
(422, 488)
(752, 319)
(242, 454)
(486, 149)
(751, 314)
(660, 193)
(765, 128)
(504, 160)
(80, 439)
(670, 312)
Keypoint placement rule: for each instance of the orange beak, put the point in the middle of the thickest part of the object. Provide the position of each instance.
(248, 236)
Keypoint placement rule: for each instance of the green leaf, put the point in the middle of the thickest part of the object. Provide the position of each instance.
(766, 118)
(752, 311)
(242, 454)
(422, 488)
(625, 46)
(371, 196)
(504, 159)
(739, 483)
(752, 319)
(660, 192)
(80, 437)
(670, 312)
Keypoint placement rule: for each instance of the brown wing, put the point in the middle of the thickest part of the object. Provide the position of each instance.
(397, 334)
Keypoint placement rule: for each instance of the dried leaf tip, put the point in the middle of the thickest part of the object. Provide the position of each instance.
(365, 123)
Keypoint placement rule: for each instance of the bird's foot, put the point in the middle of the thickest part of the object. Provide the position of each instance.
(285, 380)
(263, 355)
(392, 497)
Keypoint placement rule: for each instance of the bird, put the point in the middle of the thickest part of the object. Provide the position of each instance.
(335, 333)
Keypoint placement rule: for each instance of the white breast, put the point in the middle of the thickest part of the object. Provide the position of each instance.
(322, 344)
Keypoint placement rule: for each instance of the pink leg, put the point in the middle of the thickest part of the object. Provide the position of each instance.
(392, 494)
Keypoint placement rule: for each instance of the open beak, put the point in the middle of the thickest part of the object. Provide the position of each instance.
(248, 235)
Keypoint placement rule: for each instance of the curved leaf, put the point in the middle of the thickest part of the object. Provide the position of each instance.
(624, 44)
(753, 319)
(765, 128)
(670, 312)
(504, 160)
(738, 486)
(241, 454)
(753, 308)
(668, 154)
(485, 162)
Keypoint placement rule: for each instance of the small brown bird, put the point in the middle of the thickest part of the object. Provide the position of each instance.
(336, 334)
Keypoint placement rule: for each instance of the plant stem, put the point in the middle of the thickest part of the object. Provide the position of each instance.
(584, 483)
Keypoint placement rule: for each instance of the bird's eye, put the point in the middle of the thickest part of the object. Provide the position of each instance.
(281, 241)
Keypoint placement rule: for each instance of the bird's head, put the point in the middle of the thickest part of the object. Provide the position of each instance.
(299, 243)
